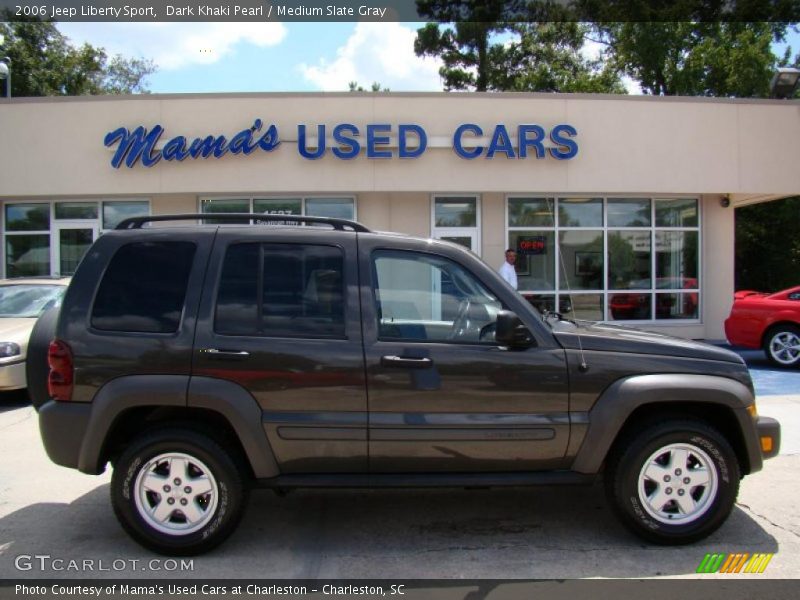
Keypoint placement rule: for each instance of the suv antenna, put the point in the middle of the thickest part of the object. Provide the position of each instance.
(583, 366)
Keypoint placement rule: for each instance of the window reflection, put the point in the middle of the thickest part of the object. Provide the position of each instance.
(455, 212)
(580, 212)
(628, 260)
(582, 256)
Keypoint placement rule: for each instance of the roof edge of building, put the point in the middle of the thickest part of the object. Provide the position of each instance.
(377, 95)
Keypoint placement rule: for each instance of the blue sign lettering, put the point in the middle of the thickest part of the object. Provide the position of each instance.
(567, 148)
(500, 143)
(352, 147)
(422, 141)
(141, 145)
(525, 142)
(374, 140)
(459, 147)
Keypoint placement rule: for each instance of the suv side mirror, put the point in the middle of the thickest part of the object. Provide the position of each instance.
(511, 332)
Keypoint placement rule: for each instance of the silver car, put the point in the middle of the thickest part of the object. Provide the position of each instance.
(21, 303)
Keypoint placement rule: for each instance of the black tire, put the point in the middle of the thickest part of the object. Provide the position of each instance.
(659, 446)
(218, 512)
(775, 346)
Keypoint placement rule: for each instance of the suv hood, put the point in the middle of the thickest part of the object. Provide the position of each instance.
(614, 338)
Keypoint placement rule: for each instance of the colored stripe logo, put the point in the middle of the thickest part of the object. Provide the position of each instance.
(739, 562)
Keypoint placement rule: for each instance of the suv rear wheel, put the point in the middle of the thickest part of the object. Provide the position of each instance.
(177, 492)
(674, 482)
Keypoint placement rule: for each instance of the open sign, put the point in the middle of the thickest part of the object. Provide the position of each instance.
(531, 245)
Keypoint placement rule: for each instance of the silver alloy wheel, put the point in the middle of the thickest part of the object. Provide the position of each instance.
(678, 484)
(784, 347)
(176, 493)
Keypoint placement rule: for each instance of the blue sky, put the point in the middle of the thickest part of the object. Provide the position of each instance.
(247, 57)
(266, 57)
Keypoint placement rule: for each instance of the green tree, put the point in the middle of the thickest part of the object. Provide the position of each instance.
(471, 60)
(353, 86)
(44, 63)
(548, 57)
(516, 56)
(714, 58)
(768, 245)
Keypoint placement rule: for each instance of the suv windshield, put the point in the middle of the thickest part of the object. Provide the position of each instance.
(28, 300)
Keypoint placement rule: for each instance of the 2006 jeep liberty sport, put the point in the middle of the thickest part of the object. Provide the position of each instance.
(202, 360)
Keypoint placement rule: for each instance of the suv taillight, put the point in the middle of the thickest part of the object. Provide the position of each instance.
(59, 381)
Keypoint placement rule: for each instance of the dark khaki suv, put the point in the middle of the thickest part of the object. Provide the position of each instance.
(203, 360)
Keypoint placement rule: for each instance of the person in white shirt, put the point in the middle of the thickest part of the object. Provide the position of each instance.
(507, 271)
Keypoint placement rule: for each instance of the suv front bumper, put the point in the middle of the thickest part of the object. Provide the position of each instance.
(769, 436)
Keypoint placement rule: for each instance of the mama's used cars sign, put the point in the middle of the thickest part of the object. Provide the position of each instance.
(344, 141)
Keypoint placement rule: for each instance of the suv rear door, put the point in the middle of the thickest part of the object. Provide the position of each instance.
(280, 317)
(139, 319)
(443, 396)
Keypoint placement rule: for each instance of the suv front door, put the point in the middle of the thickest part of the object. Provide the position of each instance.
(281, 319)
(443, 396)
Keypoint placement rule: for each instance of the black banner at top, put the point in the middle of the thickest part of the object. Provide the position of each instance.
(402, 10)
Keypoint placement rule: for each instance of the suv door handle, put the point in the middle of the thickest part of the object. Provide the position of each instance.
(215, 353)
(406, 363)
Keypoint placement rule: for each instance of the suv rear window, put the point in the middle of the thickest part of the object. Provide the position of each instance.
(144, 288)
(287, 290)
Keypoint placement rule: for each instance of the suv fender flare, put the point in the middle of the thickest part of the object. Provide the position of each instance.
(228, 399)
(117, 396)
(620, 399)
(243, 413)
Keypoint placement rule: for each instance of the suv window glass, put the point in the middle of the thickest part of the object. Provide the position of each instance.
(421, 297)
(144, 288)
(286, 290)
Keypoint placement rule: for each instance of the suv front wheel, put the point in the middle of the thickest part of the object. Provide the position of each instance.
(674, 482)
(177, 492)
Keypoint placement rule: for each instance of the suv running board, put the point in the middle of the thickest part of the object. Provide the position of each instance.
(424, 480)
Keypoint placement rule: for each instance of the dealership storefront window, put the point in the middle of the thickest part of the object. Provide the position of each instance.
(311, 206)
(618, 259)
(50, 238)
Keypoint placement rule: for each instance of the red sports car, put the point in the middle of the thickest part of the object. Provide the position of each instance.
(768, 321)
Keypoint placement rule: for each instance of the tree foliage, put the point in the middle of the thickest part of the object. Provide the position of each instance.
(548, 57)
(768, 245)
(727, 59)
(690, 47)
(354, 86)
(523, 56)
(44, 63)
(471, 60)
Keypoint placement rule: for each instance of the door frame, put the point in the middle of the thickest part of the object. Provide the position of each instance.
(472, 232)
(55, 245)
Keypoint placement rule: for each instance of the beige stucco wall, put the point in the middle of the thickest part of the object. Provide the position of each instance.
(627, 144)
(174, 204)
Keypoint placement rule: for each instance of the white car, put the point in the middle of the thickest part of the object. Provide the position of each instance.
(21, 303)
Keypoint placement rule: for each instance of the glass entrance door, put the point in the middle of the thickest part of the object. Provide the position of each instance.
(457, 219)
(71, 244)
(468, 239)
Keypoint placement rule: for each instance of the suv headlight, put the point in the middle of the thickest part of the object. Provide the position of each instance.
(8, 349)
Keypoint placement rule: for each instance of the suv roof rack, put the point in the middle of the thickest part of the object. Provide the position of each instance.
(338, 224)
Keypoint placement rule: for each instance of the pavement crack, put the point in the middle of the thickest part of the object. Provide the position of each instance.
(22, 420)
(768, 520)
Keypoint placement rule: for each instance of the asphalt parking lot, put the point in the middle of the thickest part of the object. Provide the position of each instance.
(562, 532)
